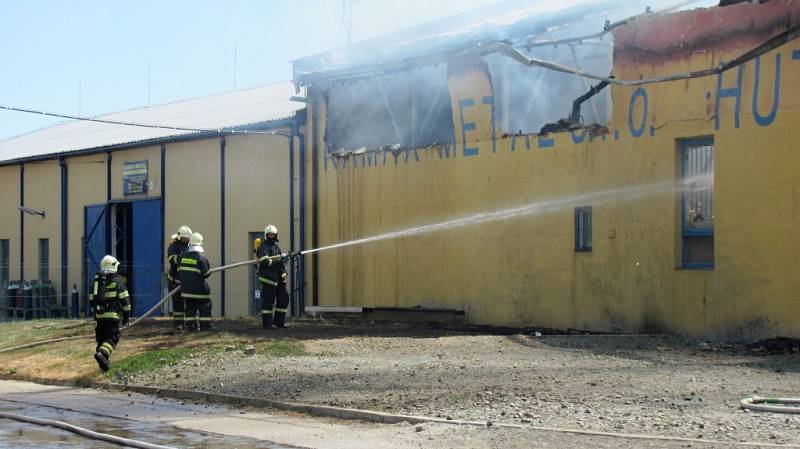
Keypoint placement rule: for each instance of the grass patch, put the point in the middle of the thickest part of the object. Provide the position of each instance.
(19, 332)
(147, 361)
(286, 348)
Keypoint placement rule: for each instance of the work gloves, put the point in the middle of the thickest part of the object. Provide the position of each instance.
(126, 317)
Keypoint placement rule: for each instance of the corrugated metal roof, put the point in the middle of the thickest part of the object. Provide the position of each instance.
(238, 109)
(512, 20)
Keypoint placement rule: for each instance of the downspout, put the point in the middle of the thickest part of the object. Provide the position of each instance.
(21, 223)
(301, 264)
(64, 234)
(108, 203)
(163, 188)
(292, 293)
(315, 202)
(222, 223)
(575, 116)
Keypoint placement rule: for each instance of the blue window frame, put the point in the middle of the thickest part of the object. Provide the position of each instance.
(583, 229)
(697, 203)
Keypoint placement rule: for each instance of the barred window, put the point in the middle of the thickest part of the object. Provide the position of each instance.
(697, 202)
(583, 229)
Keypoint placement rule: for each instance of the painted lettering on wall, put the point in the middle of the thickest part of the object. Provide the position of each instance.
(767, 76)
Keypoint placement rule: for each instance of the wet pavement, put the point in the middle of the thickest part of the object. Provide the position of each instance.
(135, 417)
(19, 434)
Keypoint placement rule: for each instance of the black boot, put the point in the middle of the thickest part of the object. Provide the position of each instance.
(102, 360)
(266, 321)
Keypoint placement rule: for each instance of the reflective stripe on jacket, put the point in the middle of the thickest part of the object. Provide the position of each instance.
(193, 269)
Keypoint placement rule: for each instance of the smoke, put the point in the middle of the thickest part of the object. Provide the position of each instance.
(411, 107)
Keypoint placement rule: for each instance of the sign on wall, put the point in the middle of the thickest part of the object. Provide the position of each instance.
(134, 177)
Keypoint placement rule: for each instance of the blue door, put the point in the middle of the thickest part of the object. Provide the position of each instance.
(147, 258)
(94, 244)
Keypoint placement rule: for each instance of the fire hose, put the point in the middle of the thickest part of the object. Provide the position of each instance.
(769, 404)
(152, 309)
(83, 432)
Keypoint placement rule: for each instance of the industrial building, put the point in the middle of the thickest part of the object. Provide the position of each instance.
(79, 190)
(663, 205)
(599, 165)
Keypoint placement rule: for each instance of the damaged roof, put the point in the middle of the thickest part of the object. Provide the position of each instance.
(509, 20)
(257, 107)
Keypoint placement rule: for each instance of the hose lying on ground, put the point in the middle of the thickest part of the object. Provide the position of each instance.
(768, 404)
(134, 322)
(83, 432)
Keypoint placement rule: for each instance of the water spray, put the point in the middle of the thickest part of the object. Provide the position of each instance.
(697, 183)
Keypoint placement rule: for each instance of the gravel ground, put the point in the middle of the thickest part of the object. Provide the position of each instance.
(625, 384)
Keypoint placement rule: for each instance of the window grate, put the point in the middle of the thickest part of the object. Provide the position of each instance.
(583, 229)
(697, 203)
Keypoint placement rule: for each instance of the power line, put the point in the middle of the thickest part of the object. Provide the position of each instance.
(140, 125)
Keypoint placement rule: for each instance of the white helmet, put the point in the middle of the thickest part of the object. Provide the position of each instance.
(196, 239)
(184, 231)
(270, 229)
(109, 264)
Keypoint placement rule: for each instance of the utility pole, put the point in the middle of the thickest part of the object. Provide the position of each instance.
(235, 51)
(148, 82)
(347, 20)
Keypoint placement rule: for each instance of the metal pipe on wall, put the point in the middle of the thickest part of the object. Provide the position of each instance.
(21, 223)
(222, 224)
(292, 264)
(64, 234)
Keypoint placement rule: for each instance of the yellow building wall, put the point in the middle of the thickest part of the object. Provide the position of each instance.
(43, 192)
(86, 186)
(9, 219)
(152, 155)
(193, 198)
(524, 271)
(256, 194)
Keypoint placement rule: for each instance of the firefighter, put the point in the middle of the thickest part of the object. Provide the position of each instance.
(110, 302)
(178, 247)
(272, 275)
(193, 270)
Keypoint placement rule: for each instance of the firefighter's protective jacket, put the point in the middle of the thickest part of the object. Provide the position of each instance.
(193, 269)
(109, 297)
(270, 271)
(175, 250)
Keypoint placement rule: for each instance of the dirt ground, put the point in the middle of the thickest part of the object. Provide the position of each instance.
(626, 384)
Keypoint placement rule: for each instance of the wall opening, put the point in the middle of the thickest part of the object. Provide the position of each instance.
(528, 98)
(44, 259)
(697, 202)
(583, 229)
(5, 262)
(406, 110)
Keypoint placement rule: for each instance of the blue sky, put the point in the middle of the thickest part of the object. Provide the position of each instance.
(49, 48)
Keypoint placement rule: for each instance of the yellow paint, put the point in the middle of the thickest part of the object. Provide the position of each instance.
(256, 194)
(193, 198)
(524, 271)
(42, 188)
(9, 218)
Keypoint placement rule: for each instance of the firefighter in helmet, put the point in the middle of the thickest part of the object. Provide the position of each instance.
(177, 248)
(193, 270)
(111, 304)
(272, 275)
